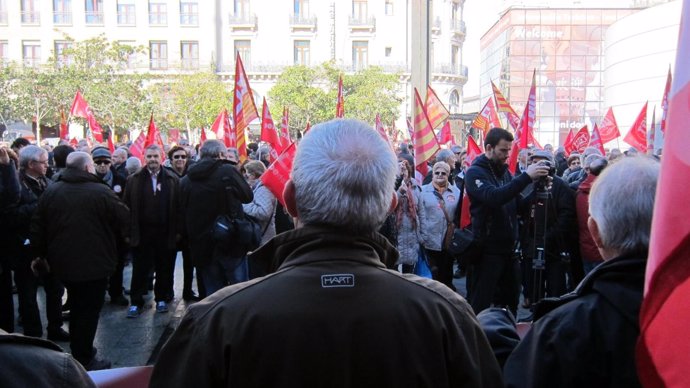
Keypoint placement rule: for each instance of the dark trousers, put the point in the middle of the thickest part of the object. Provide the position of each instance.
(152, 253)
(224, 271)
(553, 281)
(87, 300)
(188, 271)
(27, 287)
(6, 299)
(441, 264)
(495, 280)
(116, 280)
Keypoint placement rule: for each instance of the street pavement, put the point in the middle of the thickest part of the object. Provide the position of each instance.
(136, 341)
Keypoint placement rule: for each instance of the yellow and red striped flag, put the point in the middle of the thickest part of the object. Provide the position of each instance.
(243, 107)
(340, 103)
(504, 106)
(425, 143)
(435, 111)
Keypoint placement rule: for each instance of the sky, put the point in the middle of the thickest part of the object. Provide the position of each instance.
(479, 16)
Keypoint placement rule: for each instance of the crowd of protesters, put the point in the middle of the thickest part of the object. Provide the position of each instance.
(118, 209)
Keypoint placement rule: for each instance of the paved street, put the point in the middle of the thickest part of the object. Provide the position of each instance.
(135, 342)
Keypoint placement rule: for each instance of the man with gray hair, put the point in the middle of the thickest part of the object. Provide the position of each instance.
(73, 235)
(331, 313)
(587, 338)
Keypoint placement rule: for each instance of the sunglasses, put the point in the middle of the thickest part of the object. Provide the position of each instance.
(100, 162)
(442, 173)
(179, 156)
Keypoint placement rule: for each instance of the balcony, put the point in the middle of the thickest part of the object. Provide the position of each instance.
(158, 64)
(458, 28)
(62, 18)
(94, 18)
(451, 71)
(243, 22)
(31, 17)
(362, 23)
(301, 23)
(436, 26)
(190, 63)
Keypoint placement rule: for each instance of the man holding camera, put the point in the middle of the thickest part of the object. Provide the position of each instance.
(556, 229)
(494, 201)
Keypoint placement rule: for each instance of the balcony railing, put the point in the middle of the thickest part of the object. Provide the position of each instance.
(458, 26)
(94, 17)
(159, 64)
(190, 63)
(302, 20)
(31, 17)
(361, 21)
(243, 20)
(62, 18)
(450, 69)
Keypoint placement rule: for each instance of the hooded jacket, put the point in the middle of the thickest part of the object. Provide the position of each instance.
(588, 249)
(332, 315)
(210, 187)
(585, 338)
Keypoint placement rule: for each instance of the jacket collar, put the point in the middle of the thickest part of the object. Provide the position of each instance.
(73, 175)
(310, 244)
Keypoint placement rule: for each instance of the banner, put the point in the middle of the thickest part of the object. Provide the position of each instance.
(278, 173)
(244, 110)
(637, 136)
(435, 110)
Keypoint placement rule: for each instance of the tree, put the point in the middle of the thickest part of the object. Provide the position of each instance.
(310, 94)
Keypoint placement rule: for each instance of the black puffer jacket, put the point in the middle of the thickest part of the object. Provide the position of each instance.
(207, 184)
(76, 224)
(586, 338)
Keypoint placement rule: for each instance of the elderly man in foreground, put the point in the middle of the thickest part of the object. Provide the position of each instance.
(331, 314)
(587, 338)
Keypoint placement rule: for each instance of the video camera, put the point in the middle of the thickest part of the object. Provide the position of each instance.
(543, 183)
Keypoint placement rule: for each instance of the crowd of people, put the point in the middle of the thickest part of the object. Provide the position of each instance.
(339, 301)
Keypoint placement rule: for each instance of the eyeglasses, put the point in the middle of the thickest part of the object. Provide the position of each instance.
(179, 156)
(442, 173)
(41, 161)
(100, 162)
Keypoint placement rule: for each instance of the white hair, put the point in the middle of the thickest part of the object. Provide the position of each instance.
(30, 153)
(78, 160)
(132, 165)
(622, 201)
(344, 176)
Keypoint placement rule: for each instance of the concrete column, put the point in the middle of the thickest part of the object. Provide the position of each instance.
(419, 48)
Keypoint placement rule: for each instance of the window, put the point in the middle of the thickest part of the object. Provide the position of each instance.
(60, 58)
(389, 7)
(62, 12)
(359, 10)
(30, 13)
(94, 11)
(301, 8)
(244, 47)
(4, 54)
(388, 51)
(241, 10)
(158, 14)
(454, 102)
(302, 52)
(189, 54)
(158, 53)
(454, 50)
(126, 13)
(3, 11)
(31, 53)
(360, 52)
(189, 13)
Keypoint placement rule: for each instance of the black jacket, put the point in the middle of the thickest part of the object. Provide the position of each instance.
(494, 202)
(17, 216)
(76, 224)
(210, 187)
(332, 315)
(585, 338)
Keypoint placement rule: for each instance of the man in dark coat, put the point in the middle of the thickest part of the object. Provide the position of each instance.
(152, 195)
(9, 195)
(73, 234)
(331, 314)
(213, 186)
(587, 338)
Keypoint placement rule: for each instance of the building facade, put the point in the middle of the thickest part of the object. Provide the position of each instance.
(189, 35)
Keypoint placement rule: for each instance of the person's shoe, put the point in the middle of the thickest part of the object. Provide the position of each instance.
(133, 312)
(98, 364)
(119, 300)
(59, 335)
(161, 307)
(190, 297)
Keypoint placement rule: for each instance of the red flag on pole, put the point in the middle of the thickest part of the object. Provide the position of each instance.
(444, 135)
(174, 136)
(285, 128)
(243, 107)
(425, 144)
(382, 131)
(111, 146)
(664, 100)
(278, 173)
(64, 131)
(137, 148)
(203, 136)
(340, 103)
(435, 110)
(153, 136)
(473, 151)
(665, 316)
(269, 133)
(569, 138)
(487, 118)
(524, 133)
(608, 128)
(637, 136)
(579, 142)
(80, 108)
(223, 129)
(595, 140)
(73, 142)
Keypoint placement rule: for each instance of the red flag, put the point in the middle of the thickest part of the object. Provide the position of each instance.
(637, 136)
(425, 144)
(203, 136)
(174, 136)
(80, 108)
(223, 129)
(137, 148)
(504, 106)
(73, 142)
(664, 101)
(569, 138)
(487, 118)
(269, 133)
(473, 151)
(435, 110)
(111, 146)
(410, 129)
(64, 131)
(665, 316)
(382, 131)
(444, 135)
(153, 136)
(243, 107)
(595, 140)
(278, 173)
(285, 128)
(340, 104)
(652, 130)
(608, 128)
(525, 133)
(579, 142)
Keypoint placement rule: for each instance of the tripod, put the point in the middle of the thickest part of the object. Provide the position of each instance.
(539, 216)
